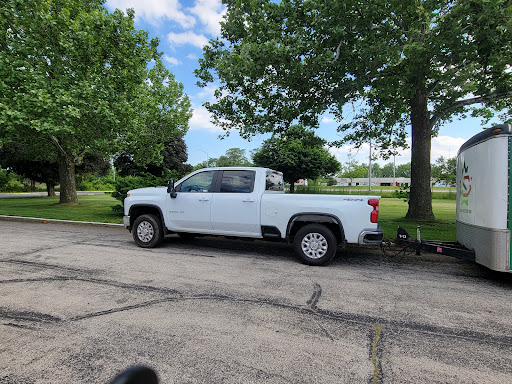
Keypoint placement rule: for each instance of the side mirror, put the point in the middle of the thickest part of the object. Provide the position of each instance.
(170, 189)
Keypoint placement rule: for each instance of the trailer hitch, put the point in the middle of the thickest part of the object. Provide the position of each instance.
(447, 248)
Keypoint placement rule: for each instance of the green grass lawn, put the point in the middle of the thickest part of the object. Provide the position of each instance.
(392, 215)
(98, 208)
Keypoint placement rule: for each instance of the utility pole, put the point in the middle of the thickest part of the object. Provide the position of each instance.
(207, 158)
(370, 169)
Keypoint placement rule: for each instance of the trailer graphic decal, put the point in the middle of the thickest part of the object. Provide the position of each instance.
(465, 185)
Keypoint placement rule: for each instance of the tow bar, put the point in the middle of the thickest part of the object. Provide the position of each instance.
(454, 249)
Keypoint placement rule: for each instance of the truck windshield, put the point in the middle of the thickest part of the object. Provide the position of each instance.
(274, 182)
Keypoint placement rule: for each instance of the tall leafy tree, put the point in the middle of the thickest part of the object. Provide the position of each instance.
(416, 63)
(353, 169)
(76, 75)
(32, 162)
(174, 157)
(445, 169)
(299, 154)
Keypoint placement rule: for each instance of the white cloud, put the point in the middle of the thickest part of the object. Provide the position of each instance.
(200, 120)
(327, 120)
(153, 11)
(210, 13)
(206, 94)
(446, 146)
(187, 38)
(172, 60)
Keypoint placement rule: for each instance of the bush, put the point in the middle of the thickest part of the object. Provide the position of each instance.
(10, 182)
(93, 183)
(124, 184)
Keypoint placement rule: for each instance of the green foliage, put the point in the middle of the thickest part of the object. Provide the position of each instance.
(10, 182)
(401, 62)
(404, 193)
(94, 183)
(234, 157)
(299, 154)
(124, 184)
(31, 161)
(74, 77)
(353, 169)
(174, 156)
(445, 170)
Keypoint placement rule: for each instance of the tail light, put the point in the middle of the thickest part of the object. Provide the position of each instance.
(374, 216)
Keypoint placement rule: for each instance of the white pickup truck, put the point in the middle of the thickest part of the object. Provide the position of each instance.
(250, 202)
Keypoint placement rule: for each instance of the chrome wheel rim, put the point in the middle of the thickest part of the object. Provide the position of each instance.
(314, 245)
(145, 231)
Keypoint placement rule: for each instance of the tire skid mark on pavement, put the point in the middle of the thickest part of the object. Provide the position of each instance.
(364, 320)
(310, 308)
(313, 301)
(43, 249)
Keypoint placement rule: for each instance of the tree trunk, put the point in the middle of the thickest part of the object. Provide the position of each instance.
(292, 187)
(67, 177)
(50, 188)
(420, 200)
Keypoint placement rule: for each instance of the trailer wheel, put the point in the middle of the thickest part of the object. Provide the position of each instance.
(315, 244)
(147, 232)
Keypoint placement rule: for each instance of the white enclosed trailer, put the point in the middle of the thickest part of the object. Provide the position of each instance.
(484, 192)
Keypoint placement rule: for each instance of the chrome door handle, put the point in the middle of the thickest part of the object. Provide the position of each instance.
(248, 200)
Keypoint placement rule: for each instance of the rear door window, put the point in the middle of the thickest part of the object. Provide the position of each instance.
(237, 182)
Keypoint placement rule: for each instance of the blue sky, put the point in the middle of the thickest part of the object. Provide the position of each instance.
(184, 27)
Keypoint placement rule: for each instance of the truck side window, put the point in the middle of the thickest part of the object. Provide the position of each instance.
(200, 182)
(274, 182)
(237, 181)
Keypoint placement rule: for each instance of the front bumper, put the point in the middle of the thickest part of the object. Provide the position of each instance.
(126, 222)
(371, 236)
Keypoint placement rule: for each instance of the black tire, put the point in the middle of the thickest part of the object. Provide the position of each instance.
(187, 235)
(315, 244)
(147, 231)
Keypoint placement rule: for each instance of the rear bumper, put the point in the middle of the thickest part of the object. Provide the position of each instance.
(371, 236)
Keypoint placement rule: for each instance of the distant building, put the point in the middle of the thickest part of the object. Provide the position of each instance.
(376, 181)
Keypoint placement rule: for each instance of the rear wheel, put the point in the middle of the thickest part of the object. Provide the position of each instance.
(147, 231)
(315, 244)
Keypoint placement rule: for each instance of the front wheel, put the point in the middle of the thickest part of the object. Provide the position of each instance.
(147, 231)
(315, 244)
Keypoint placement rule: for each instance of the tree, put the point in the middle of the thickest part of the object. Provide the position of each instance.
(403, 170)
(414, 62)
(299, 154)
(75, 75)
(31, 162)
(353, 169)
(234, 157)
(445, 170)
(387, 170)
(174, 156)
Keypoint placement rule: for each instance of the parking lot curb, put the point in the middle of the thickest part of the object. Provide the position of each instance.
(56, 221)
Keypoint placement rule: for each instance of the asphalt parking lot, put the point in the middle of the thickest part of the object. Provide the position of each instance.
(81, 303)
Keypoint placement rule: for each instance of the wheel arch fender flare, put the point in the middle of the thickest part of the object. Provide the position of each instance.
(140, 209)
(314, 218)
